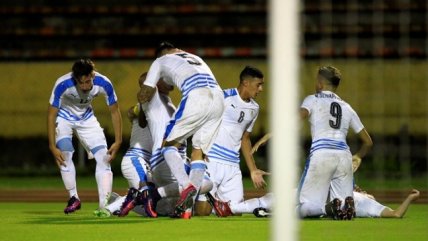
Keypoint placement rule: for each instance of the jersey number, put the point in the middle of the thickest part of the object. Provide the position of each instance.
(336, 112)
(190, 59)
(241, 117)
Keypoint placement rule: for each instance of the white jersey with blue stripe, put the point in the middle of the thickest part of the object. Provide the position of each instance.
(239, 116)
(330, 119)
(141, 142)
(73, 104)
(159, 111)
(184, 70)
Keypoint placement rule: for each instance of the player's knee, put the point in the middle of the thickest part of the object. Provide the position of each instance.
(65, 144)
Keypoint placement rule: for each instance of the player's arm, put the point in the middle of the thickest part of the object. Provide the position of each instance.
(256, 174)
(148, 89)
(401, 210)
(116, 118)
(367, 144)
(52, 114)
(304, 113)
(261, 142)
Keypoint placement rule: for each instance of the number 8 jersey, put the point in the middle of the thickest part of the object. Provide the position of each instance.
(239, 116)
(330, 119)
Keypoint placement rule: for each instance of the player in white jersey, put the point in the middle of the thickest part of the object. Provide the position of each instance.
(70, 110)
(198, 115)
(241, 111)
(329, 166)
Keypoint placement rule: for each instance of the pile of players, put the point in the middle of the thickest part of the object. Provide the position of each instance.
(163, 181)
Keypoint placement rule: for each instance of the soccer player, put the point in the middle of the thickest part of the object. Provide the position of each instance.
(198, 115)
(241, 111)
(70, 110)
(329, 166)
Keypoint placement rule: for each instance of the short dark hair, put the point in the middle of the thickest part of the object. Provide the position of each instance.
(331, 74)
(82, 67)
(163, 46)
(250, 71)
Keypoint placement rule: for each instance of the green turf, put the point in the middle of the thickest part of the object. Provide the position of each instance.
(45, 221)
(414, 226)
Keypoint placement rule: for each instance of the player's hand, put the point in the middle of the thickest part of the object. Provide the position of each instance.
(414, 194)
(59, 158)
(356, 162)
(257, 178)
(114, 148)
(255, 148)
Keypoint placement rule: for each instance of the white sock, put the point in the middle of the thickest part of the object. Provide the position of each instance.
(197, 171)
(207, 185)
(68, 174)
(246, 206)
(175, 163)
(104, 176)
(170, 190)
(115, 206)
(266, 201)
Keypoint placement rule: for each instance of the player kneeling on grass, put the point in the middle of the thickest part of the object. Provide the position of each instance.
(70, 111)
(328, 169)
(241, 111)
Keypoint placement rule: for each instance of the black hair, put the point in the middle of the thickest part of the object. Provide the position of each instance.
(331, 74)
(163, 46)
(82, 67)
(250, 71)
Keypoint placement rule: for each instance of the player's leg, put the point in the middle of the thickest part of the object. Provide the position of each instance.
(342, 184)
(249, 205)
(315, 183)
(91, 134)
(63, 137)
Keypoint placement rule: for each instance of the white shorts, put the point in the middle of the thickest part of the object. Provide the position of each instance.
(199, 114)
(89, 132)
(367, 207)
(135, 169)
(328, 171)
(227, 182)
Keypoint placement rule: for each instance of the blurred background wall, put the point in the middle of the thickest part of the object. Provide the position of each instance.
(380, 47)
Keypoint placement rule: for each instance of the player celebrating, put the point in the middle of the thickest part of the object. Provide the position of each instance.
(199, 114)
(70, 110)
(329, 166)
(240, 114)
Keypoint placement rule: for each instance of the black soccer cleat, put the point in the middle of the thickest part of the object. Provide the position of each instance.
(262, 213)
(349, 208)
(333, 209)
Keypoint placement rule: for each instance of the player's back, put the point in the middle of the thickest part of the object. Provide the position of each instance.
(185, 71)
(330, 119)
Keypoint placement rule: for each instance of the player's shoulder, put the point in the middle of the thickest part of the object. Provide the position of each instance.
(65, 81)
(254, 103)
(230, 92)
(102, 80)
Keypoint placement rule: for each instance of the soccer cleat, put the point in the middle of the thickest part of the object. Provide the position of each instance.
(221, 209)
(185, 201)
(149, 203)
(333, 209)
(102, 213)
(262, 213)
(129, 203)
(187, 214)
(72, 205)
(349, 208)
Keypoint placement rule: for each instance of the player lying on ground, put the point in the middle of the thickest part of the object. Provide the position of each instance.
(70, 110)
(198, 115)
(239, 117)
(159, 111)
(329, 166)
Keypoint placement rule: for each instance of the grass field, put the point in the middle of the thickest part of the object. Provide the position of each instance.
(45, 221)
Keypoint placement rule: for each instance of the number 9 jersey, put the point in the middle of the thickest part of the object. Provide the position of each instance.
(330, 119)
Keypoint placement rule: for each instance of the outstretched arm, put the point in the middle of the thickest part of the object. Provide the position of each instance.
(260, 142)
(256, 174)
(116, 118)
(52, 114)
(401, 210)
